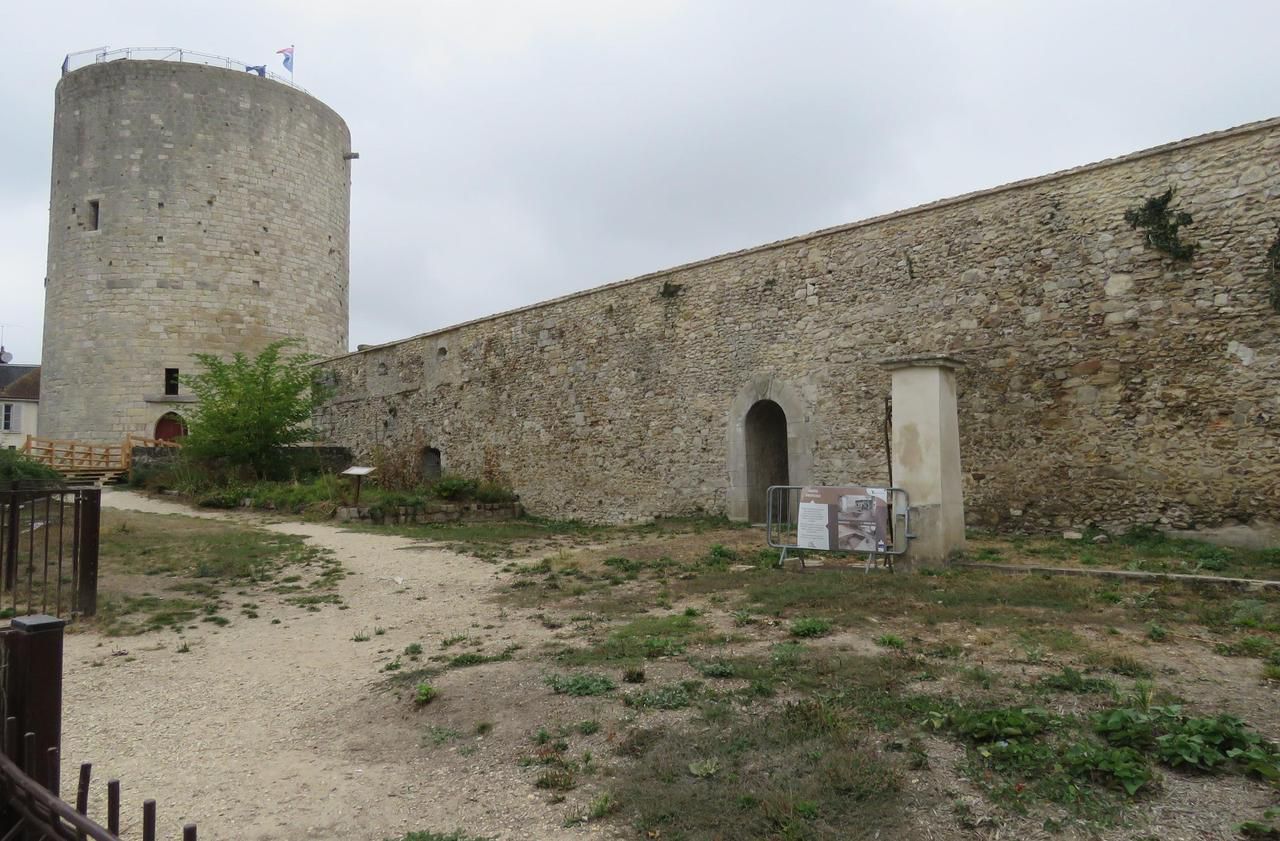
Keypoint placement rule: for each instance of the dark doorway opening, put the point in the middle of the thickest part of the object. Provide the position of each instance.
(170, 427)
(431, 465)
(766, 431)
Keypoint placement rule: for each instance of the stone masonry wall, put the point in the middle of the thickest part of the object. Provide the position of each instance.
(1106, 383)
(222, 224)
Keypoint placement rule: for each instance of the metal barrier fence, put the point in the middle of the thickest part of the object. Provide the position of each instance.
(782, 526)
(49, 549)
(30, 767)
(97, 55)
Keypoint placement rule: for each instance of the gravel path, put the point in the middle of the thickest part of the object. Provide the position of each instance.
(280, 731)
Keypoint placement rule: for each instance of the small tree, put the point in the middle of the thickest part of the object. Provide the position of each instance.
(250, 408)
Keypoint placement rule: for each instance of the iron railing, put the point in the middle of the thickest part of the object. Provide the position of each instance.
(98, 55)
(30, 767)
(49, 537)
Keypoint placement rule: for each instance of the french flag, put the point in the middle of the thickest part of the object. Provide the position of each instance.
(287, 52)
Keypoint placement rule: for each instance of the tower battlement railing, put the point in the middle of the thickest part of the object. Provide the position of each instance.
(100, 55)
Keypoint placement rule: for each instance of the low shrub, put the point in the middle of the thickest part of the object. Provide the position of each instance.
(810, 627)
(455, 488)
(16, 466)
(493, 493)
(582, 684)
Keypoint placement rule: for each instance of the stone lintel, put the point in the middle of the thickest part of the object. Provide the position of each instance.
(170, 398)
(922, 360)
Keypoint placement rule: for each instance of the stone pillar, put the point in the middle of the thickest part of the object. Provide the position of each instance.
(926, 454)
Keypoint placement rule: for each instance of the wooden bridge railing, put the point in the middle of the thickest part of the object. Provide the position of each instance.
(78, 456)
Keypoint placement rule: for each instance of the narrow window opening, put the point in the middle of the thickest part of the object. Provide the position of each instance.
(93, 214)
(431, 465)
(170, 381)
(257, 283)
(160, 205)
(159, 239)
(7, 424)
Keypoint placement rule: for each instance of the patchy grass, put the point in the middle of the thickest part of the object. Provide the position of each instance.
(749, 726)
(645, 638)
(581, 684)
(167, 571)
(1142, 549)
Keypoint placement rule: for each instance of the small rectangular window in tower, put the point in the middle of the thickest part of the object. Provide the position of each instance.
(170, 381)
(93, 215)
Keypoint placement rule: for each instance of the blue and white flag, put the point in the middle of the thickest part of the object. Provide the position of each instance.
(260, 69)
(287, 52)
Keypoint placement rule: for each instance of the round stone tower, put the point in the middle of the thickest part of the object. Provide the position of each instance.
(194, 209)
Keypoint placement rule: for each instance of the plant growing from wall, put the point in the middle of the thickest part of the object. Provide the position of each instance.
(1161, 225)
(249, 409)
(669, 289)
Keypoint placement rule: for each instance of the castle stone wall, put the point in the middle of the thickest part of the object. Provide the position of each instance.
(1106, 383)
(222, 204)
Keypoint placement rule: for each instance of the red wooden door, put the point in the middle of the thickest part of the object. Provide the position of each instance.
(170, 427)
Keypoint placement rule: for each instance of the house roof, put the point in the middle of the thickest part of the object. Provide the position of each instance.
(20, 382)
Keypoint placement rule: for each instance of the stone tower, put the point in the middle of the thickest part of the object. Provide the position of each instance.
(193, 209)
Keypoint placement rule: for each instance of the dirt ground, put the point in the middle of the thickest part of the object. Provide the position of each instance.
(265, 731)
(283, 726)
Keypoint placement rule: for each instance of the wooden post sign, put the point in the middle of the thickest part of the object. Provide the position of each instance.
(851, 519)
(359, 473)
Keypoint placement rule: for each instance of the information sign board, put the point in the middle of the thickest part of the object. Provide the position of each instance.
(850, 519)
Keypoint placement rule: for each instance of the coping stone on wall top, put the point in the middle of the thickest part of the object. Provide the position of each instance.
(922, 360)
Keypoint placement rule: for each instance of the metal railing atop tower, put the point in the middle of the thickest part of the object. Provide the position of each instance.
(99, 55)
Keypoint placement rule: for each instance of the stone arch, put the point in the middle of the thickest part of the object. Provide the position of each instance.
(762, 392)
(430, 464)
(767, 461)
(170, 426)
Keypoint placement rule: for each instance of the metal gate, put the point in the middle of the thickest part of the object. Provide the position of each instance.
(880, 540)
(49, 549)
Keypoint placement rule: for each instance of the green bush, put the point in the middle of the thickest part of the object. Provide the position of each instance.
(454, 488)
(810, 627)
(1124, 767)
(493, 493)
(229, 497)
(1000, 724)
(249, 409)
(16, 466)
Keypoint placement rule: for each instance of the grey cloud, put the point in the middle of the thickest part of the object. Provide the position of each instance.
(511, 152)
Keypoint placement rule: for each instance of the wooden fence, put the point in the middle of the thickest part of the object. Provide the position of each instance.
(78, 460)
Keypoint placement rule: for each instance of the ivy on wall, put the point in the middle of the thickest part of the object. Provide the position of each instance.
(1161, 225)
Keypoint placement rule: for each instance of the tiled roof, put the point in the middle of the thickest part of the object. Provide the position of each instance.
(24, 386)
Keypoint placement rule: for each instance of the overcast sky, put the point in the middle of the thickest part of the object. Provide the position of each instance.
(514, 151)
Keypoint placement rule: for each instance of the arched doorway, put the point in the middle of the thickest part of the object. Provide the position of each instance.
(766, 433)
(170, 427)
(431, 466)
